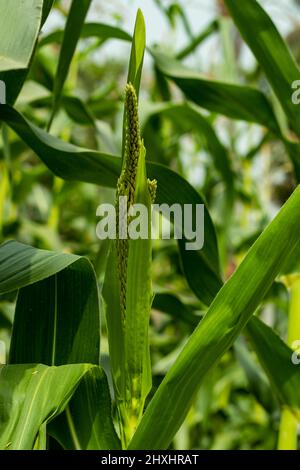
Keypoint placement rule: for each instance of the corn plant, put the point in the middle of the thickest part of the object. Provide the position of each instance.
(56, 388)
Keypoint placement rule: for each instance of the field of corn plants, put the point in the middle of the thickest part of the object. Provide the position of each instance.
(134, 342)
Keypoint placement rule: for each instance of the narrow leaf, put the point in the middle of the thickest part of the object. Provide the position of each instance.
(237, 102)
(271, 51)
(89, 30)
(137, 52)
(75, 21)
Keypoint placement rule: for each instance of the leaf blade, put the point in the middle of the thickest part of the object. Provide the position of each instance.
(226, 317)
(271, 51)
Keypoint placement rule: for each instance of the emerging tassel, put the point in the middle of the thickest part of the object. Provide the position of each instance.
(126, 187)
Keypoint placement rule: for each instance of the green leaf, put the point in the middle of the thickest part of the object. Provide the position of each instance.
(137, 52)
(20, 24)
(188, 118)
(88, 415)
(138, 300)
(276, 358)
(227, 316)
(135, 63)
(74, 163)
(172, 305)
(32, 395)
(89, 30)
(195, 42)
(22, 265)
(68, 330)
(208, 278)
(75, 21)
(271, 51)
(237, 102)
(77, 110)
(258, 382)
(47, 5)
(65, 160)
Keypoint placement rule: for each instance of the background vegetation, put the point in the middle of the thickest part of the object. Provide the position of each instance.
(229, 129)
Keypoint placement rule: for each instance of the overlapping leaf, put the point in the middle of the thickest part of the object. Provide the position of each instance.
(31, 396)
(236, 102)
(89, 30)
(61, 301)
(24, 19)
(227, 316)
(271, 51)
(74, 163)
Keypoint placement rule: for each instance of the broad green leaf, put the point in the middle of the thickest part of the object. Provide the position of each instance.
(270, 50)
(68, 330)
(195, 262)
(65, 160)
(235, 101)
(74, 163)
(227, 316)
(276, 358)
(208, 278)
(88, 415)
(75, 21)
(32, 395)
(22, 265)
(258, 382)
(89, 30)
(20, 24)
(291, 266)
